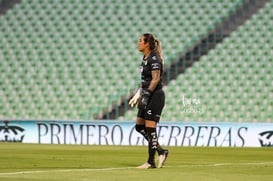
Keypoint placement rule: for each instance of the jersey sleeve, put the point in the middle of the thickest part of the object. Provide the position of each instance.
(155, 63)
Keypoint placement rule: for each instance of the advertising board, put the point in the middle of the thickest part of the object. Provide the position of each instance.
(210, 134)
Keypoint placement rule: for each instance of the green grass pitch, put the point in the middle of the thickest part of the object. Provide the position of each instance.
(117, 163)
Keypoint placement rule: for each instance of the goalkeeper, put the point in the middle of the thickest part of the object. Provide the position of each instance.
(150, 98)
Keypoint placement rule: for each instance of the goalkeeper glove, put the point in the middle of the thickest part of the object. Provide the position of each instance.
(134, 100)
(145, 96)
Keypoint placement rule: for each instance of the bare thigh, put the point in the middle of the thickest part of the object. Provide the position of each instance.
(140, 121)
(147, 123)
(150, 124)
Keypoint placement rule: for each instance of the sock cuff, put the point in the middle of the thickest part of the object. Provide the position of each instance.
(140, 127)
(150, 130)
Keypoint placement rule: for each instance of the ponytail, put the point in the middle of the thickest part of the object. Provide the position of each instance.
(158, 49)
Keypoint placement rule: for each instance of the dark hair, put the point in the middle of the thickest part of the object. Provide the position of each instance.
(150, 38)
(155, 44)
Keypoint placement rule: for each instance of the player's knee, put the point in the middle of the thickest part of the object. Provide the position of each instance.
(140, 128)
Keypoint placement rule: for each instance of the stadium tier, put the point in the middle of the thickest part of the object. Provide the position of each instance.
(234, 82)
(70, 59)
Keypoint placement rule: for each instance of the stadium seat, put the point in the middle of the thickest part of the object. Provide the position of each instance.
(76, 48)
(236, 78)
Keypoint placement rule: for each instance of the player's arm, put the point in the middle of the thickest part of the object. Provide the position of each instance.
(155, 80)
(146, 94)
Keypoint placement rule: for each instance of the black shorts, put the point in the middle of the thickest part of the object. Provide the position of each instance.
(154, 107)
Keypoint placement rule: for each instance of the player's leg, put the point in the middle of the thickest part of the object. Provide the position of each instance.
(151, 117)
(154, 113)
(153, 140)
(140, 127)
(150, 129)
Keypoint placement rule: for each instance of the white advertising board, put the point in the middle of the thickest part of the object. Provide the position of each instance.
(123, 133)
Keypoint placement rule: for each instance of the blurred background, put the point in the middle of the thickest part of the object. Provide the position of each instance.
(78, 59)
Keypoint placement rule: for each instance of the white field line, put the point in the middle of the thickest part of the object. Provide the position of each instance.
(225, 164)
(126, 168)
(65, 170)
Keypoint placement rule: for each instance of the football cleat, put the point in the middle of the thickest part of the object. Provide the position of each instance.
(162, 158)
(146, 166)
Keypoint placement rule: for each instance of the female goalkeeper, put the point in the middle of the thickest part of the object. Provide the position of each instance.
(150, 98)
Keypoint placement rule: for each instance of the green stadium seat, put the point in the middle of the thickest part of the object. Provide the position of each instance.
(238, 63)
(68, 41)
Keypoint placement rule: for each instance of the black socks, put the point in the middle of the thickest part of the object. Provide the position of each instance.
(142, 130)
(151, 132)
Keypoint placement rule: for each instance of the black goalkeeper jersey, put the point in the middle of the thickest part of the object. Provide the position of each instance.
(153, 62)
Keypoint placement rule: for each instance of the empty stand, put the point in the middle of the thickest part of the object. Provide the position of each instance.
(73, 59)
(233, 82)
